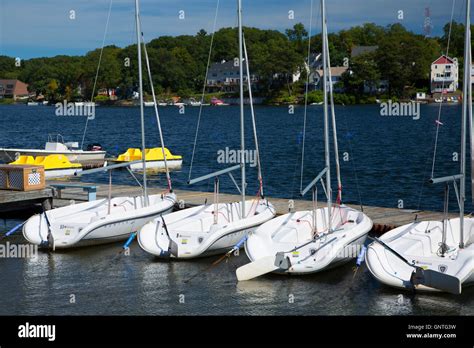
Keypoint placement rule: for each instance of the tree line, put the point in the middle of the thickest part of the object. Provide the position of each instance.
(178, 64)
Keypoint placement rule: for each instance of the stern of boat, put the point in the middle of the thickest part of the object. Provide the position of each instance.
(387, 268)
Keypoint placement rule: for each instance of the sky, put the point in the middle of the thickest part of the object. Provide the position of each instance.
(37, 28)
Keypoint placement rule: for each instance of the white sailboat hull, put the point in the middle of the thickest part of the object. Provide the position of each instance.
(89, 223)
(418, 243)
(192, 233)
(9, 155)
(292, 230)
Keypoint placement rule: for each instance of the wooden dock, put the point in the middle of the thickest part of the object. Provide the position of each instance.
(384, 219)
(18, 200)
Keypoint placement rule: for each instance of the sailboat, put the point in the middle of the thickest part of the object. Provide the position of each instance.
(211, 229)
(105, 220)
(311, 241)
(433, 255)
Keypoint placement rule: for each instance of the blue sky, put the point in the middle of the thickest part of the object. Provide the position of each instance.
(35, 28)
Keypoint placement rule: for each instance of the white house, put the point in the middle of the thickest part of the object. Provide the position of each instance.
(224, 76)
(444, 75)
(336, 77)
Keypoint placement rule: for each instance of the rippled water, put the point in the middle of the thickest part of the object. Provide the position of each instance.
(390, 155)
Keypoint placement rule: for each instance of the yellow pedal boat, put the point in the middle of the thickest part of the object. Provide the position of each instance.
(154, 158)
(54, 165)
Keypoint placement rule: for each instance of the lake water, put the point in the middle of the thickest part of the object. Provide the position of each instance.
(389, 159)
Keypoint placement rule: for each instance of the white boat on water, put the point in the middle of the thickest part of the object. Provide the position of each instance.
(53, 147)
(96, 222)
(305, 242)
(192, 232)
(434, 255)
(105, 220)
(216, 227)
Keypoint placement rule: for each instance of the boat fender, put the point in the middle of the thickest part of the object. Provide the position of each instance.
(282, 261)
(361, 256)
(240, 243)
(13, 230)
(129, 240)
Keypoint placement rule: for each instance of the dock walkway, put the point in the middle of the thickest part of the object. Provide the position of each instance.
(384, 219)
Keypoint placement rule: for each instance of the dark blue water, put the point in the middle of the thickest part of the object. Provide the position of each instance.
(389, 158)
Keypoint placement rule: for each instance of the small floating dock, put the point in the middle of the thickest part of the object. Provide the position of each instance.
(384, 219)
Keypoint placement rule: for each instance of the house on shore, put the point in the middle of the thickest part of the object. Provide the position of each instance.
(444, 75)
(224, 76)
(14, 89)
(336, 77)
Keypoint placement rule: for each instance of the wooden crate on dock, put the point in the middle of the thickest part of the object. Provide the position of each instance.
(21, 177)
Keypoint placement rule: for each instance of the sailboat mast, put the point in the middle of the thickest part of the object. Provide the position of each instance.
(465, 105)
(241, 85)
(326, 118)
(142, 116)
(471, 123)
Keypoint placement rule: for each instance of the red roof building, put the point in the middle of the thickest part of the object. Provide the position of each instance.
(444, 75)
(13, 89)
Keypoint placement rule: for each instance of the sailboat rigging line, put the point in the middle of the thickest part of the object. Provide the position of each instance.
(133, 176)
(234, 181)
(242, 118)
(306, 94)
(334, 127)
(142, 111)
(254, 126)
(353, 162)
(438, 123)
(168, 178)
(326, 116)
(435, 136)
(98, 68)
(203, 90)
(465, 105)
(471, 125)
